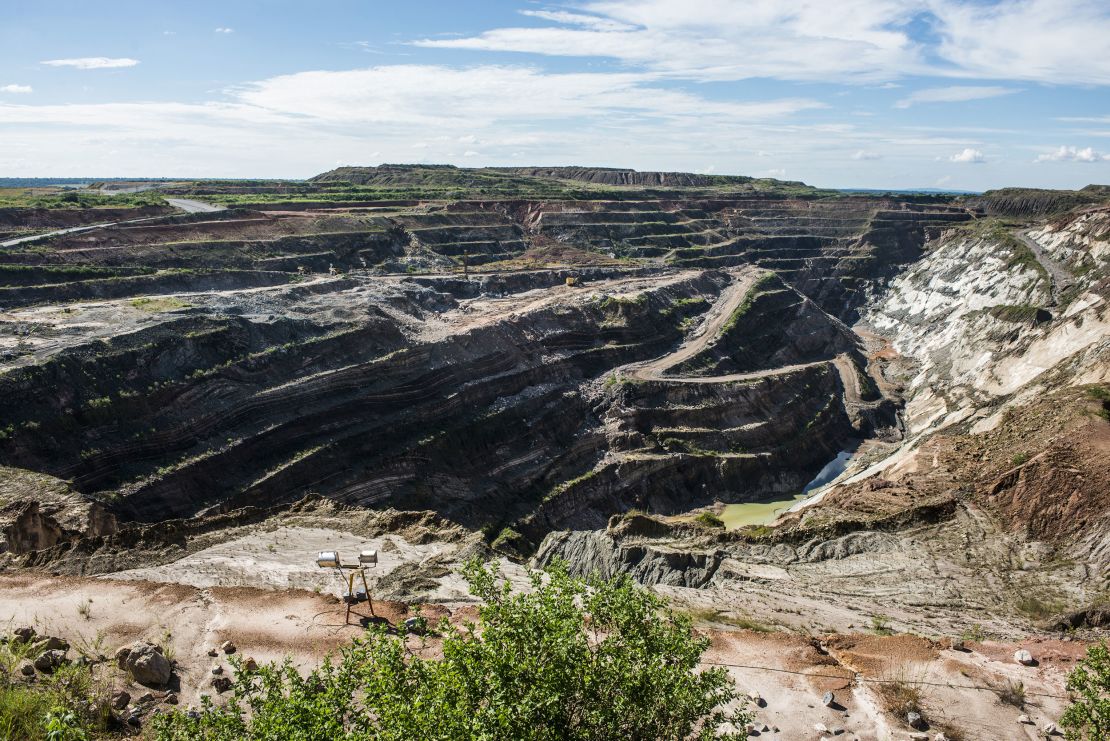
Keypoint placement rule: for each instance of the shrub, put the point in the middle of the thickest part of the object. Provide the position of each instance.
(709, 520)
(572, 659)
(1088, 716)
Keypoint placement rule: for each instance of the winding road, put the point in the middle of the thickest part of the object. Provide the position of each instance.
(184, 204)
(744, 281)
(1059, 278)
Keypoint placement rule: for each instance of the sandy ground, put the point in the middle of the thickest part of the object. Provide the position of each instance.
(262, 591)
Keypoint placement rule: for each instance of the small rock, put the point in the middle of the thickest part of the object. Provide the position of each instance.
(250, 664)
(48, 661)
(145, 699)
(27, 669)
(221, 684)
(217, 670)
(171, 698)
(23, 634)
(757, 699)
(120, 699)
(51, 643)
(1050, 729)
(764, 728)
(836, 731)
(940, 737)
(919, 737)
(1025, 719)
(227, 647)
(914, 720)
(1023, 657)
(193, 713)
(820, 728)
(134, 719)
(828, 700)
(213, 652)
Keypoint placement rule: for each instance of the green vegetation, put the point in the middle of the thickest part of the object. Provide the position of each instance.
(67, 705)
(745, 305)
(1088, 716)
(56, 198)
(974, 634)
(572, 659)
(567, 485)
(880, 625)
(709, 520)
(1016, 313)
(167, 303)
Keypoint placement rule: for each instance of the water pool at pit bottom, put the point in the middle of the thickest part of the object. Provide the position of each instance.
(742, 514)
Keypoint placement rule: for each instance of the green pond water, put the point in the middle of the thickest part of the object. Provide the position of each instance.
(760, 513)
(756, 513)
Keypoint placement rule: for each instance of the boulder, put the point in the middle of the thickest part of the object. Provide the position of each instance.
(1023, 657)
(227, 647)
(120, 699)
(914, 720)
(250, 664)
(757, 699)
(1050, 729)
(145, 662)
(213, 652)
(171, 698)
(51, 643)
(828, 700)
(217, 670)
(1025, 720)
(221, 684)
(27, 669)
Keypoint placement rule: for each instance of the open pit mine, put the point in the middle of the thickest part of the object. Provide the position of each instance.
(862, 439)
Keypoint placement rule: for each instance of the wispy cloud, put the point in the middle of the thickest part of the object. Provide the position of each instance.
(953, 94)
(863, 154)
(92, 62)
(1073, 154)
(17, 89)
(1056, 41)
(969, 156)
(223, 29)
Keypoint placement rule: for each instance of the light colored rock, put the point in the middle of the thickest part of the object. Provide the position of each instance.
(914, 720)
(217, 669)
(250, 664)
(1023, 657)
(820, 728)
(227, 647)
(828, 700)
(1050, 729)
(1025, 719)
(145, 662)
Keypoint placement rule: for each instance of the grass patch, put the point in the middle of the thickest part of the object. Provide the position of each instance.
(1036, 607)
(709, 519)
(709, 615)
(898, 697)
(880, 625)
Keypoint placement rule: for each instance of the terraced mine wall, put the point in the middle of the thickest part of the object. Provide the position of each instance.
(251, 357)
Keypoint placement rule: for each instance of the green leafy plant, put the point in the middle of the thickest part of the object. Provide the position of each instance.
(571, 659)
(1088, 716)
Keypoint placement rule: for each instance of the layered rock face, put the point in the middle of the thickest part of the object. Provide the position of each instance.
(190, 365)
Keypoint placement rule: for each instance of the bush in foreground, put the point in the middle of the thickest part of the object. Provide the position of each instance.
(573, 659)
(1088, 717)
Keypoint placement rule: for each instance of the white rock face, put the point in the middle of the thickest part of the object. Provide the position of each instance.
(967, 354)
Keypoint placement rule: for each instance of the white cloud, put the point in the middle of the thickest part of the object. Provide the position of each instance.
(578, 19)
(92, 62)
(953, 94)
(427, 94)
(471, 153)
(969, 155)
(1056, 41)
(18, 89)
(222, 29)
(1073, 154)
(776, 172)
(863, 154)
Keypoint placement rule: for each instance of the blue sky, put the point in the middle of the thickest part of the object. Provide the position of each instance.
(863, 93)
